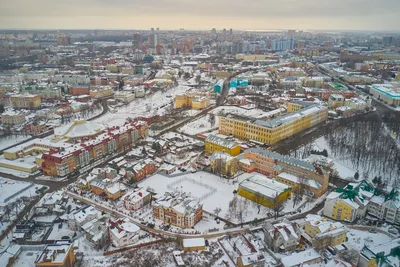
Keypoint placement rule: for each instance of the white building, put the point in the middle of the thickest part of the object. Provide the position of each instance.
(123, 233)
(283, 236)
(137, 199)
(77, 219)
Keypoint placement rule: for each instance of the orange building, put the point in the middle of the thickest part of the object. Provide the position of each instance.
(79, 90)
(60, 254)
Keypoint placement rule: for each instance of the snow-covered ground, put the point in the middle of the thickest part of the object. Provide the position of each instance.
(155, 104)
(200, 125)
(7, 141)
(214, 192)
(359, 238)
(10, 187)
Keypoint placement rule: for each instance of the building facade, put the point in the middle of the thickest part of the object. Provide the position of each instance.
(27, 101)
(178, 209)
(215, 143)
(273, 130)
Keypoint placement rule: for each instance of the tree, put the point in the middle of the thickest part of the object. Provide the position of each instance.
(217, 210)
(258, 199)
(186, 76)
(144, 150)
(2, 109)
(277, 206)
(356, 175)
(211, 119)
(198, 80)
(238, 208)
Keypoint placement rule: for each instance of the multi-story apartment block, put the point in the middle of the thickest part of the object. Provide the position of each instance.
(349, 203)
(288, 170)
(10, 118)
(386, 207)
(63, 161)
(43, 90)
(271, 131)
(101, 91)
(215, 143)
(26, 101)
(178, 209)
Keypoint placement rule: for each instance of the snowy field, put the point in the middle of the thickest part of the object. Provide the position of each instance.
(10, 187)
(200, 125)
(155, 104)
(359, 238)
(201, 185)
(7, 141)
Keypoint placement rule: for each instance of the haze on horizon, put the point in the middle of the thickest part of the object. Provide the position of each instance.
(205, 14)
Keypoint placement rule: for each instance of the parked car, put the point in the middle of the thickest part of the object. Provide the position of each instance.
(372, 231)
(393, 230)
(326, 255)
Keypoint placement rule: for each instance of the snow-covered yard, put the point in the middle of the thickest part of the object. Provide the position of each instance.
(7, 141)
(359, 238)
(11, 190)
(155, 104)
(201, 125)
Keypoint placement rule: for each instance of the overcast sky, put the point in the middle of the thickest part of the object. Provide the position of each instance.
(201, 14)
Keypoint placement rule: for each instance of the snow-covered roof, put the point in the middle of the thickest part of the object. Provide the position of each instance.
(264, 186)
(194, 242)
(79, 128)
(300, 258)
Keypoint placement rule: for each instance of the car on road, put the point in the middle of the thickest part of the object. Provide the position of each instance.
(373, 231)
(326, 255)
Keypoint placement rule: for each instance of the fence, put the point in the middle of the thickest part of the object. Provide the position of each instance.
(132, 247)
(18, 192)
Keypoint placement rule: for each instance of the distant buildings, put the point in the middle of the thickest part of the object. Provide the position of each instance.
(178, 209)
(282, 44)
(26, 101)
(193, 100)
(388, 93)
(101, 91)
(10, 118)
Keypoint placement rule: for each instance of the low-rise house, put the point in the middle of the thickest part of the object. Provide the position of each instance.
(323, 232)
(97, 231)
(123, 233)
(194, 244)
(56, 255)
(136, 199)
(303, 258)
(252, 260)
(82, 216)
(386, 207)
(103, 188)
(283, 236)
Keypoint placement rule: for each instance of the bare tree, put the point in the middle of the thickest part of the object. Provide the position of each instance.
(238, 208)
(277, 206)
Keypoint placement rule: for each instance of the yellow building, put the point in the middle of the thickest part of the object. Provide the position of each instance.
(264, 191)
(293, 107)
(193, 100)
(273, 130)
(56, 255)
(10, 117)
(386, 254)
(324, 232)
(27, 101)
(215, 143)
(335, 100)
(101, 91)
(349, 203)
(224, 164)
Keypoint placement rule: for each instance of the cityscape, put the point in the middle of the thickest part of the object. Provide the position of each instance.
(221, 147)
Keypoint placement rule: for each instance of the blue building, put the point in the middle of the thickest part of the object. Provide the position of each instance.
(219, 86)
(282, 44)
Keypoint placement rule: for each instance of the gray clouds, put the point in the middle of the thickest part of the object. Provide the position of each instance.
(335, 14)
